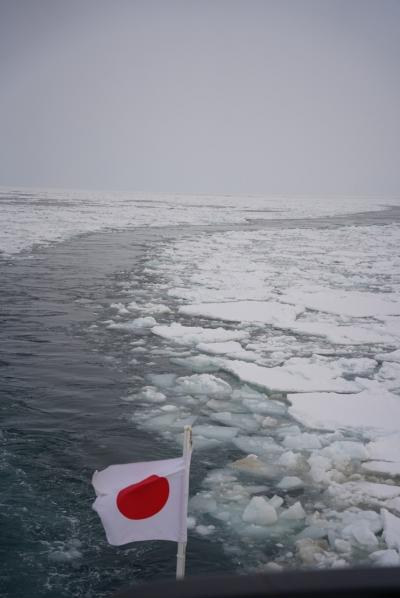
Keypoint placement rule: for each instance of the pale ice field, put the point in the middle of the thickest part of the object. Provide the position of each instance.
(274, 331)
(32, 216)
(290, 339)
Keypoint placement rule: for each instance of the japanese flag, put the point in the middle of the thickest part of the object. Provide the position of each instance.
(143, 501)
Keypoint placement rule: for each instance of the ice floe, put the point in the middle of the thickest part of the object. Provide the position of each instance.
(384, 455)
(359, 492)
(386, 558)
(373, 408)
(290, 483)
(312, 314)
(204, 384)
(391, 529)
(259, 512)
(265, 312)
(134, 325)
(345, 302)
(193, 335)
(346, 334)
(392, 356)
(295, 376)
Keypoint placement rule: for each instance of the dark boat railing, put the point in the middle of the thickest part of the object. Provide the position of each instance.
(333, 583)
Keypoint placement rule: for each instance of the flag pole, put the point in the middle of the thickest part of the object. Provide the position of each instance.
(187, 450)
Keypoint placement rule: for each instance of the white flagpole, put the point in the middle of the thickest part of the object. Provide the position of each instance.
(187, 450)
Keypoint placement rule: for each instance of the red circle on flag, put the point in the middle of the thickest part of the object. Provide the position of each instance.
(144, 499)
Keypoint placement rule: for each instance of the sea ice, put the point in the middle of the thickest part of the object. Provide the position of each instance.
(311, 552)
(258, 445)
(163, 380)
(198, 363)
(152, 395)
(133, 306)
(120, 308)
(215, 432)
(393, 504)
(276, 501)
(374, 408)
(358, 492)
(391, 529)
(389, 375)
(345, 303)
(134, 325)
(245, 422)
(155, 308)
(295, 512)
(345, 450)
(193, 335)
(290, 483)
(231, 349)
(205, 530)
(299, 376)
(357, 366)
(385, 448)
(204, 384)
(201, 443)
(252, 464)
(382, 467)
(266, 312)
(304, 441)
(203, 503)
(264, 406)
(393, 356)
(384, 453)
(386, 558)
(290, 460)
(349, 334)
(220, 348)
(359, 532)
(259, 512)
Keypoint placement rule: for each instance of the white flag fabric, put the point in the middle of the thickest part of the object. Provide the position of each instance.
(143, 501)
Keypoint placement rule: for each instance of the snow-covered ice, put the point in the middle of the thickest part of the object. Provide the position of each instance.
(133, 325)
(295, 376)
(391, 529)
(374, 408)
(266, 312)
(204, 384)
(260, 512)
(345, 302)
(194, 335)
(392, 356)
(281, 347)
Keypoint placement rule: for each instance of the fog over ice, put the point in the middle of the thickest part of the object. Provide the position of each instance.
(288, 97)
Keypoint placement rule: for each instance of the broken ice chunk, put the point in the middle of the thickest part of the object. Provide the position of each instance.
(240, 420)
(391, 529)
(374, 408)
(259, 512)
(360, 533)
(295, 512)
(393, 356)
(215, 432)
(303, 441)
(276, 501)
(386, 558)
(290, 459)
(134, 325)
(259, 445)
(290, 483)
(206, 384)
(251, 464)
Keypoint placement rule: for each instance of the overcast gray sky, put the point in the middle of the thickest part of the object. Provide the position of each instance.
(226, 96)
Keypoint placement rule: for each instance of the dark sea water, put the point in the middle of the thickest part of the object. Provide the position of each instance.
(62, 417)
